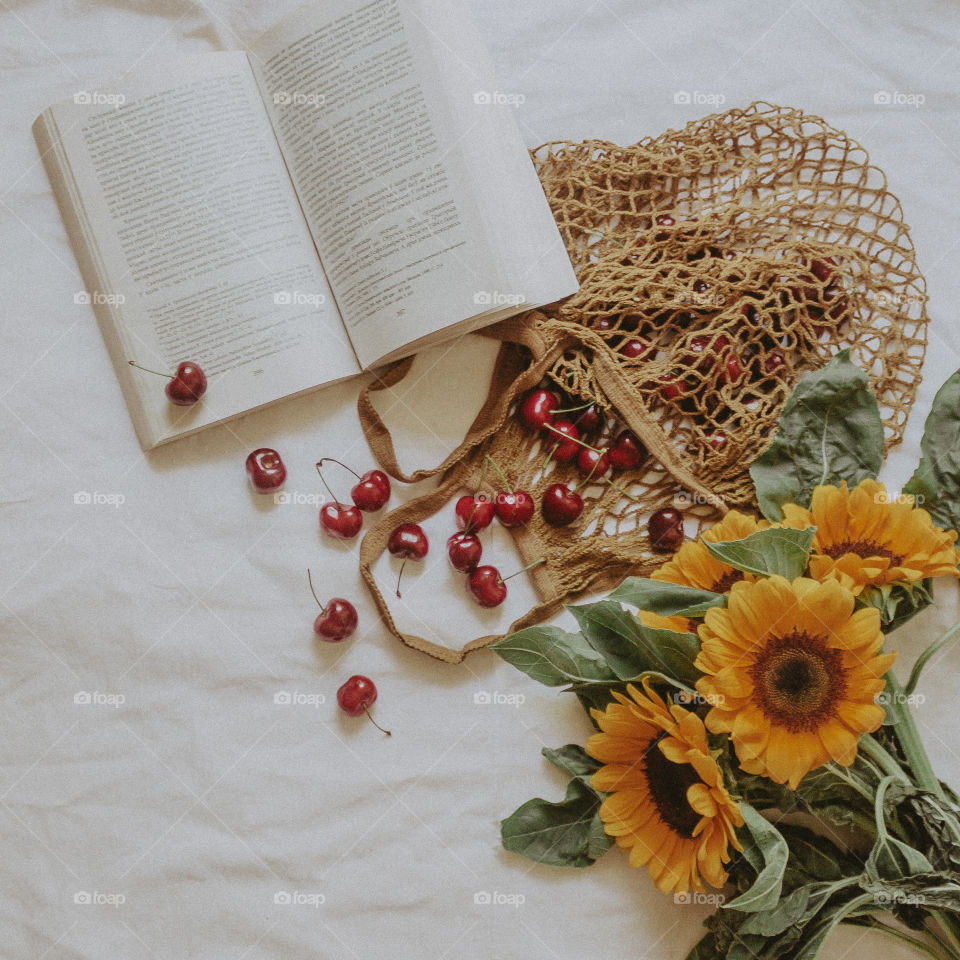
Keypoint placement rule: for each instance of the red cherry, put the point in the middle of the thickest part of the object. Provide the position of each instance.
(337, 621)
(593, 464)
(773, 362)
(513, 509)
(407, 542)
(823, 269)
(486, 586)
(665, 529)
(732, 370)
(706, 349)
(602, 324)
(563, 451)
(185, 387)
(188, 386)
(356, 696)
(589, 420)
(561, 505)
(671, 387)
(474, 512)
(665, 220)
(464, 550)
(537, 408)
(340, 520)
(636, 349)
(266, 470)
(627, 452)
(717, 439)
(372, 492)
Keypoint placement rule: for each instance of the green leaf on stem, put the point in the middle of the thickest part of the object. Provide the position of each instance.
(779, 550)
(565, 834)
(765, 839)
(936, 482)
(630, 649)
(572, 759)
(553, 657)
(830, 430)
(667, 599)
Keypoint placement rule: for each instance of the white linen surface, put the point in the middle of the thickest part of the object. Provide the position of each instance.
(183, 811)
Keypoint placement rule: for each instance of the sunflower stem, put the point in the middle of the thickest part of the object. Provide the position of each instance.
(909, 738)
(948, 925)
(883, 759)
(921, 661)
(921, 945)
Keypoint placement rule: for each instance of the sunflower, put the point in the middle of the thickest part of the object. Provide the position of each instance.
(693, 566)
(667, 803)
(791, 674)
(864, 537)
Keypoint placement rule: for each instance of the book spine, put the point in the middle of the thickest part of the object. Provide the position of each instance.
(93, 270)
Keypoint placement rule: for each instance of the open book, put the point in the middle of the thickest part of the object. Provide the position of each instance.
(349, 191)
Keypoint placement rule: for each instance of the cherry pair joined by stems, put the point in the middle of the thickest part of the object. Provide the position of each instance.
(343, 521)
(185, 387)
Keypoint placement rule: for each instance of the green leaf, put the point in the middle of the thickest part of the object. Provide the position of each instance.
(890, 858)
(667, 599)
(706, 948)
(631, 649)
(778, 550)
(898, 602)
(794, 909)
(564, 834)
(573, 759)
(936, 481)
(553, 657)
(830, 430)
(765, 891)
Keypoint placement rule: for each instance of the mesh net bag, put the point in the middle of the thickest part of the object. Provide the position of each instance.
(717, 265)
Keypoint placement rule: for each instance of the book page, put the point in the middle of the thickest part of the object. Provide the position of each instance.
(379, 162)
(199, 246)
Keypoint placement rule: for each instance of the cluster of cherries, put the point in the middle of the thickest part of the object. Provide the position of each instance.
(475, 512)
(541, 411)
(337, 619)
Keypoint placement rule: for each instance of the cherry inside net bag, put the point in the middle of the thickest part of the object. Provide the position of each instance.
(717, 265)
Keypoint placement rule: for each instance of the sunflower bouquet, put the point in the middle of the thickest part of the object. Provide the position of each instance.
(751, 735)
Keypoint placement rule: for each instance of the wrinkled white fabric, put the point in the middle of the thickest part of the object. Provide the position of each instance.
(171, 784)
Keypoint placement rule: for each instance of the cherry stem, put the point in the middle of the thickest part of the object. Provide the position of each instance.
(483, 476)
(169, 376)
(552, 428)
(399, 575)
(503, 479)
(331, 460)
(590, 474)
(523, 569)
(324, 482)
(583, 406)
(314, 592)
(374, 722)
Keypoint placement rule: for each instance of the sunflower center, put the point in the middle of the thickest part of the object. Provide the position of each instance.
(798, 681)
(863, 548)
(727, 581)
(668, 784)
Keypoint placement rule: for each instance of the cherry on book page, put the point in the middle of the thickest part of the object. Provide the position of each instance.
(185, 387)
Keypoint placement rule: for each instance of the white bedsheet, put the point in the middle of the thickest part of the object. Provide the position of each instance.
(185, 810)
